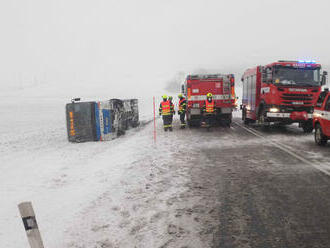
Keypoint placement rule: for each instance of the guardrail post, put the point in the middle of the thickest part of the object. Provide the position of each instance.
(30, 225)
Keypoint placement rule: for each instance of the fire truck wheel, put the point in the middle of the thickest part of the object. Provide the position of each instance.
(244, 119)
(261, 117)
(320, 139)
(307, 127)
(243, 115)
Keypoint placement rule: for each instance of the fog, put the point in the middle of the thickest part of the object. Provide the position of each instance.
(138, 47)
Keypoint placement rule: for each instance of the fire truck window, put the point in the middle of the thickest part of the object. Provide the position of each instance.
(327, 106)
(316, 75)
(249, 90)
(244, 90)
(253, 91)
(321, 99)
(269, 74)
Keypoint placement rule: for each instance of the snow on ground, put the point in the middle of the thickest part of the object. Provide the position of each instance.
(38, 164)
(95, 194)
(65, 181)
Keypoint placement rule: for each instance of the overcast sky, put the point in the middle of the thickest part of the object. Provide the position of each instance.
(96, 40)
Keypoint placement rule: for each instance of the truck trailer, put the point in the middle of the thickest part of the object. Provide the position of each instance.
(282, 92)
(221, 86)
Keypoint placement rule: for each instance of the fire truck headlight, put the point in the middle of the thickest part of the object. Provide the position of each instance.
(196, 105)
(274, 110)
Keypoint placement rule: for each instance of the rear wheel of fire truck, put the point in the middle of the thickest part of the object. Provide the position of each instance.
(307, 126)
(244, 119)
(320, 138)
(226, 120)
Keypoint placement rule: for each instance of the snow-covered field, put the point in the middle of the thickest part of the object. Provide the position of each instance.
(121, 193)
(61, 179)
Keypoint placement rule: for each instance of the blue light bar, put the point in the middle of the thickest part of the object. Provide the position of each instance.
(307, 61)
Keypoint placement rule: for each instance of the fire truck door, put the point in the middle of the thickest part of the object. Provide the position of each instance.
(326, 117)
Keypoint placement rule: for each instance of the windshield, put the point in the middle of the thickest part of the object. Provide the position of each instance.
(297, 76)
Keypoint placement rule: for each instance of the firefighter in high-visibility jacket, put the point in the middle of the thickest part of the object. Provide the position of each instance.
(165, 110)
(182, 110)
(209, 109)
(170, 98)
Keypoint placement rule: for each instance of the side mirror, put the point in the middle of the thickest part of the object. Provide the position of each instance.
(324, 78)
(264, 75)
(182, 89)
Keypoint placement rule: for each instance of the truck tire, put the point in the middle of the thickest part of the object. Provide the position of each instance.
(261, 117)
(243, 114)
(307, 126)
(320, 138)
(262, 120)
(244, 119)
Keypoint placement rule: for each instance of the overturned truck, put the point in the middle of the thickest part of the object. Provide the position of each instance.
(98, 121)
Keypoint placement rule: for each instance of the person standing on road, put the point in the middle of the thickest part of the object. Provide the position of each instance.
(182, 110)
(170, 98)
(165, 112)
(208, 110)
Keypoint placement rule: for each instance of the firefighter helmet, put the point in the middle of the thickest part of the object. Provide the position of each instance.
(170, 98)
(209, 94)
(164, 96)
(180, 95)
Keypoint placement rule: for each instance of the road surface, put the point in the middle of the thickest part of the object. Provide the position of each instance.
(249, 187)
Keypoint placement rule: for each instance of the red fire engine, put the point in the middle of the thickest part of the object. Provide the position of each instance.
(321, 118)
(221, 86)
(283, 92)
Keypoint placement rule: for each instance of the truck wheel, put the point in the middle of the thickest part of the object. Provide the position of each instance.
(244, 119)
(243, 114)
(320, 138)
(307, 127)
(261, 117)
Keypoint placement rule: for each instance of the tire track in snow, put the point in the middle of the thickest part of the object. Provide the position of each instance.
(287, 149)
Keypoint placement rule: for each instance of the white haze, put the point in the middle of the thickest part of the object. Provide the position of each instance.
(126, 48)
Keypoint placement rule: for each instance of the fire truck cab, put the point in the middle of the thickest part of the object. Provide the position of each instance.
(321, 118)
(282, 92)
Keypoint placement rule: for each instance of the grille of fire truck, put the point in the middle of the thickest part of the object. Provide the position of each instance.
(298, 97)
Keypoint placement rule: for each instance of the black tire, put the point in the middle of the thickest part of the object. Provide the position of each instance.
(320, 138)
(307, 127)
(262, 120)
(261, 117)
(244, 119)
(243, 114)
(193, 123)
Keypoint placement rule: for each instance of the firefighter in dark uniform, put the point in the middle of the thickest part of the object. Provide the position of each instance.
(209, 110)
(165, 112)
(182, 110)
(170, 98)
